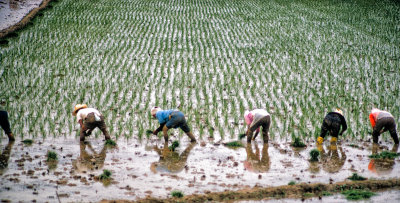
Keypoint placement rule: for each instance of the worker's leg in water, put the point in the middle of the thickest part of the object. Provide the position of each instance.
(266, 122)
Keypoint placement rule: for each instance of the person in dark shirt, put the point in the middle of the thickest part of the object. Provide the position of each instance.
(4, 123)
(332, 123)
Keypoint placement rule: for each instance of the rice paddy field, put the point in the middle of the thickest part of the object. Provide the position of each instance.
(212, 60)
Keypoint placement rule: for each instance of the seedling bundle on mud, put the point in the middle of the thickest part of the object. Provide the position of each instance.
(385, 155)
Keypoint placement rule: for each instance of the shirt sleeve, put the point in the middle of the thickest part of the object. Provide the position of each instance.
(372, 120)
(343, 122)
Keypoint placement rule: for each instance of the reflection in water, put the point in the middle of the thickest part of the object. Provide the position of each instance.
(171, 161)
(89, 161)
(5, 156)
(254, 162)
(334, 160)
(382, 166)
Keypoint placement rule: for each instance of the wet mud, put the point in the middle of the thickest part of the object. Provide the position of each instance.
(148, 170)
(16, 14)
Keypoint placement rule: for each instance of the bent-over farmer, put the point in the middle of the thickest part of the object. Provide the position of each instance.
(382, 121)
(4, 123)
(89, 119)
(171, 119)
(255, 119)
(332, 123)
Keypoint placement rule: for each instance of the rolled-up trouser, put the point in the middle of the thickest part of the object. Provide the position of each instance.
(177, 120)
(90, 123)
(330, 124)
(4, 122)
(264, 122)
(387, 124)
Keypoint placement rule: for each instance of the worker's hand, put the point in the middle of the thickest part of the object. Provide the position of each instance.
(155, 132)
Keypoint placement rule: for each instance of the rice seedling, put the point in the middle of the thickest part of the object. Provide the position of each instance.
(51, 156)
(356, 177)
(106, 175)
(358, 194)
(297, 143)
(292, 183)
(110, 143)
(234, 144)
(177, 194)
(174, 145)
(385, 155)
(27, 141)
(314, 155)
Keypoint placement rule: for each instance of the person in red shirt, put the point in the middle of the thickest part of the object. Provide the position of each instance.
(382, 121)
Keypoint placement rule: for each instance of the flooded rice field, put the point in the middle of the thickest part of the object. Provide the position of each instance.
(142, 168)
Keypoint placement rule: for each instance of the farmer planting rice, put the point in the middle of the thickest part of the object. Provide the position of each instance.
(5, 124)
(382, 121)
(89, 119)
(171, 119)
(332, 123)
(255, 119)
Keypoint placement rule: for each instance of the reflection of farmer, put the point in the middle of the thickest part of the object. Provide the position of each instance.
(382, 166)
(89, 119)
(171, 161)
(4, 122)
(171, 119)
(331, 124)
(255, 119)
(254, 162)
(5, 156)
(381, 122)
(89, 161)
(334, 160)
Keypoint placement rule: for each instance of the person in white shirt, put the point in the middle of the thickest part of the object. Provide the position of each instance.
(255, 119)
(89, 119)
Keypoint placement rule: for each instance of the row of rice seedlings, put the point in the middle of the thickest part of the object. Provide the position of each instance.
(155, 51)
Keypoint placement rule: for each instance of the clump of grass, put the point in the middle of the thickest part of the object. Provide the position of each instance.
(314, 154)
(292, 183)
(384, 155)
(177, 194)
(234, 144)
(52, 156)
(358, 194)
(298, 143)
(356, 177)
(241, 136)
(106, 175)
(174, 145)
(27, 141)
(149, 132)
(110, 142)
(325, 193)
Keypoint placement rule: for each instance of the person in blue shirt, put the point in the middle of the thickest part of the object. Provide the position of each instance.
(171, 119)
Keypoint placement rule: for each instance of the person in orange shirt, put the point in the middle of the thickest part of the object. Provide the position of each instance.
(382, 121)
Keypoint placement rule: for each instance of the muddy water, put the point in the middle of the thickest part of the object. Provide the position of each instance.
(142, 168)
(12, 11)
